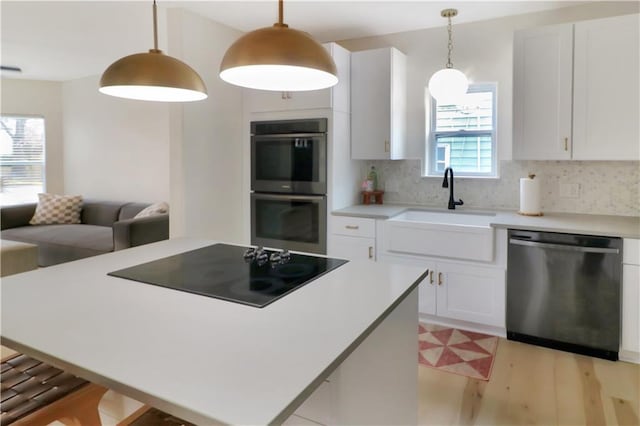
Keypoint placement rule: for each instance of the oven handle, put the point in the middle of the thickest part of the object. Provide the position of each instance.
(288, 197)
(564, 247)
(288, 135)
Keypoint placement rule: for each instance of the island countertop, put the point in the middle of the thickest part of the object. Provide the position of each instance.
(200, 358)
(606, 225)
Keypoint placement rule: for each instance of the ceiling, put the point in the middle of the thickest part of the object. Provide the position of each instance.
(53, 40)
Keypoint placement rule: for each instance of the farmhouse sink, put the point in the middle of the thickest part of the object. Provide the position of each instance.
(461, 235)
(460, 218)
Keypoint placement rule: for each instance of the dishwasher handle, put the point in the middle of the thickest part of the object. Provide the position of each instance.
(564, 247)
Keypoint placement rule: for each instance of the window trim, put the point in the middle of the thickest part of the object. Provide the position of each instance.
(430, 163)
(44, 154)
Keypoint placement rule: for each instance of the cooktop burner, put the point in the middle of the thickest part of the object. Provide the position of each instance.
(247, 275)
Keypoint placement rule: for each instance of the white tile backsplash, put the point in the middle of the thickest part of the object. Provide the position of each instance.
(605, 187)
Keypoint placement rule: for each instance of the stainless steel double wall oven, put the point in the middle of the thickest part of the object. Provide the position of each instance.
(289, 184)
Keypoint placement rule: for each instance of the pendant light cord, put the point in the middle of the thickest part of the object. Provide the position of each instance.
(450, 45)
(280, 12)
(155, 27)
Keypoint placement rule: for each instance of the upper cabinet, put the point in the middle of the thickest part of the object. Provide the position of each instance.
(575, 93)
(378, 104)
(542, 78)
(336, 97)
(606, 90)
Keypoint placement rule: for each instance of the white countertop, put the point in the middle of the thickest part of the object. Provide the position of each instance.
(615, 226)
(199, 358)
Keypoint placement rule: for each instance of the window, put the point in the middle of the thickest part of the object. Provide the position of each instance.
(21, 159)
(463, 136)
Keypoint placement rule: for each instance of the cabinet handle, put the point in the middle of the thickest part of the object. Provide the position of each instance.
(352, 227)
(283, 95)
(387, 146)
(439, 278)
(566, 144)
(370, 252)
(430, 277)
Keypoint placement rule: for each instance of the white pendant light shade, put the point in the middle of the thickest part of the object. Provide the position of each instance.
(278, 58)
(448, 85)
(153, 76)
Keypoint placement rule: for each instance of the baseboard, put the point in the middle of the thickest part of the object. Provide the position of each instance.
(464, 325)
(629, 356)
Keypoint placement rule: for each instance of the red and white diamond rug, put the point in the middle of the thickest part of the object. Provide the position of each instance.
(457, 351)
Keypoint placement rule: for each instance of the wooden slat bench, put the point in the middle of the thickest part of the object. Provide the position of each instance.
(149, 416)
(34, 393)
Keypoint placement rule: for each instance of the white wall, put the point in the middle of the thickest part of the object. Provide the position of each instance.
(115, 149)
(40, 98)
(206, 141)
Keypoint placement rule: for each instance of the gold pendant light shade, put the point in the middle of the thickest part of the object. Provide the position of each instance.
(152, 76)
(278, 58)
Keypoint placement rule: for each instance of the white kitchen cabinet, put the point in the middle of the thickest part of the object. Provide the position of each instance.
(575, 91)
(319, 407)
(471, 293)
(352, 238)
(459, 290)
(606, 100)
(542, 75)
(378, 104)
(630, 344)
(336, 97)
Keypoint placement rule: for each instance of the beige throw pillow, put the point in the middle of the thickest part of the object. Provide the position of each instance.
(55, 209)
(153, 210)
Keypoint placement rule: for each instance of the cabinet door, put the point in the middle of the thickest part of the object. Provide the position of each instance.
(606, 89)
(542, 79)
(378, 104)
(471, 293)
(631, 308)
(352, 248)
(265, 100)
(427, 293)
(336, 97)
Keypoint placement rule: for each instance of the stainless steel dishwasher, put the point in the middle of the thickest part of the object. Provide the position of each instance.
(563, 291)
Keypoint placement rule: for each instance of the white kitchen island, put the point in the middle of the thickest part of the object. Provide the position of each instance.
(345, 343)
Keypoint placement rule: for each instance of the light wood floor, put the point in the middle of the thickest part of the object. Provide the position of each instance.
(530, 385)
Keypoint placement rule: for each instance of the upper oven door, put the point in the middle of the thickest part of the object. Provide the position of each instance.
(289, 163)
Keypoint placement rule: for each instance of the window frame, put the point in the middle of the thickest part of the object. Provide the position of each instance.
(431, 146)
(21, 199)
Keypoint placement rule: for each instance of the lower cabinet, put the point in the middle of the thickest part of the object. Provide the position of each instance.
(318, 408)
(470, 293)
(352, 238)
(460, 291)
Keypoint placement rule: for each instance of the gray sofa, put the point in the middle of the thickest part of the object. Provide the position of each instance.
(106, 226)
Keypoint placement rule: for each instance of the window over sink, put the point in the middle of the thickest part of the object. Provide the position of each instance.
(463, 135)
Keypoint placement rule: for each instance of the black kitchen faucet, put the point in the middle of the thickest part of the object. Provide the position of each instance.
(445, 184)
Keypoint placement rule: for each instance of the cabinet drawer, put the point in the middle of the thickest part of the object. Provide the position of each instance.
(353, 226)
(631, 252)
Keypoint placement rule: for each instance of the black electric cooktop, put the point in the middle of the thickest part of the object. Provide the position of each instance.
(246, 275)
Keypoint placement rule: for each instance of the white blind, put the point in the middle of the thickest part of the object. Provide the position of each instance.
(22, 158)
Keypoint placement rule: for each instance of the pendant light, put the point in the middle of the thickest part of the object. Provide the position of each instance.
(278, 58)
(449, 84)
(153, 76)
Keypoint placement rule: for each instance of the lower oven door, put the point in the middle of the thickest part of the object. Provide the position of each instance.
(293, 222)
